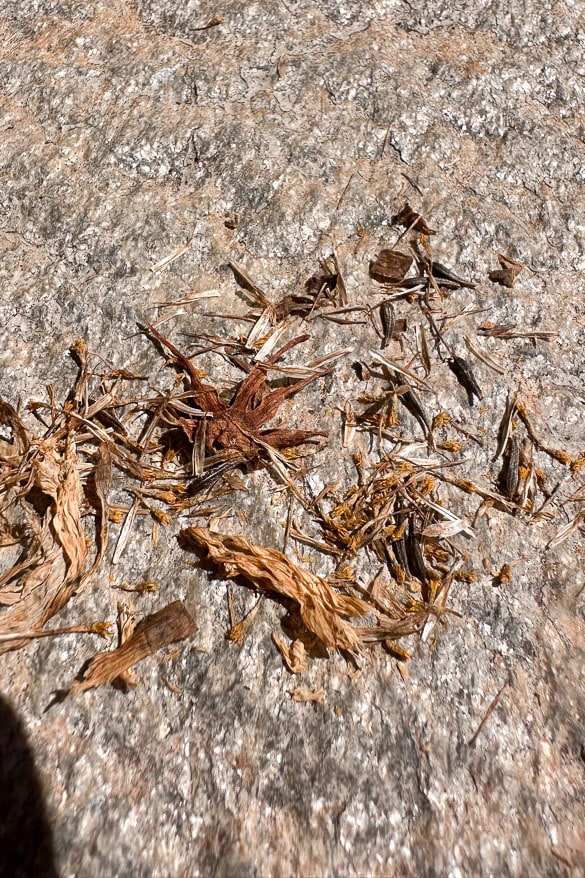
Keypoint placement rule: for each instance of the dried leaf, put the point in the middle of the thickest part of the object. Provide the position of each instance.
(20, 444)
(58, 549)
(323, 610)
(169, 625)
(238, 426)
(293, 654)
(410, 219)
(508, 272)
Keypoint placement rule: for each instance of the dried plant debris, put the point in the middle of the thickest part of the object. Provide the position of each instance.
(390, 266)
(463, 372)
(324, 290)
(46, 521)
(413, 221)
(320, 611)
(441, 273)
(397, 514)
(507, 273)
(304, 694)
(323, 611)
(80, 477)
(393, 328)
(508, 330)
(169, 625)
(235, 428)
(50, 483)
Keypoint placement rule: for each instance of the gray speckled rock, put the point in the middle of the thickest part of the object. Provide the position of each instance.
(127, 130)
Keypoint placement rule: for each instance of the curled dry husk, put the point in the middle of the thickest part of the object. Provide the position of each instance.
(323, 610)
(35, 589)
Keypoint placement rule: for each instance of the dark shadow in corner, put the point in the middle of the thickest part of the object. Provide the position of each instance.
(26, 839)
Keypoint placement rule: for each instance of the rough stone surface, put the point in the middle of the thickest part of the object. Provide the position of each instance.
(128, 130)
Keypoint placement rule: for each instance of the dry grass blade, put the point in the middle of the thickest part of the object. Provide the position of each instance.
(323, 611)
(124, 534)
(566, 531)
(386, 361)
(169, 625)
(167, 260)
(506, 424)
(508, 331)
(484, 356)
(423, 349)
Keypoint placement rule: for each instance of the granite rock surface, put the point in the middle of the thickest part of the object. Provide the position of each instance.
(272, 134)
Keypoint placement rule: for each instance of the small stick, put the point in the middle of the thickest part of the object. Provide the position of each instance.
(488, 713)
(101, 628)
(166, 260)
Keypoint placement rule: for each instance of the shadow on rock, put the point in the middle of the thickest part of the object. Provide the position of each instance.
(26, 840)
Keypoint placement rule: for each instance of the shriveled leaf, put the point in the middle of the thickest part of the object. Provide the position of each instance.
(293, 654)
(169, 625)
(323, 610)
(58, 548)
(508, 272)
(20, 443)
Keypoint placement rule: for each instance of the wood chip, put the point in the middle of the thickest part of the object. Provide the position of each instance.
(390, 266)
